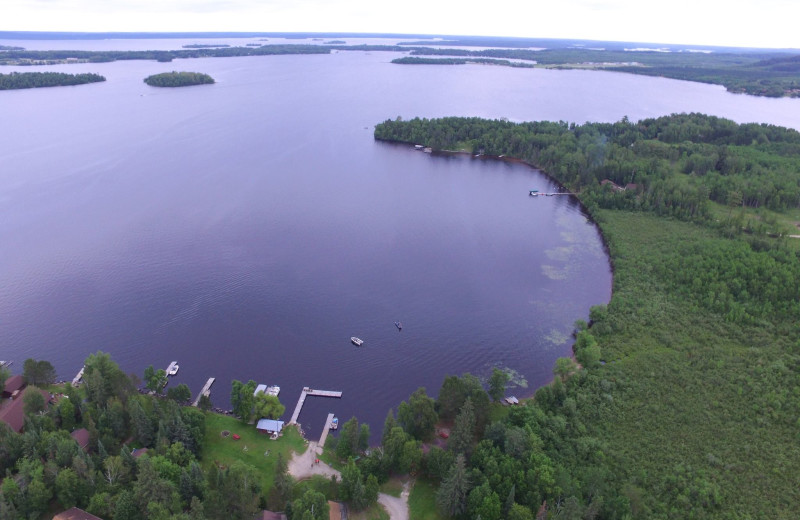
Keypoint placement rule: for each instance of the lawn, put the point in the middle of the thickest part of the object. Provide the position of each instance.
(422, 501)
(252, 448)
(393, 487)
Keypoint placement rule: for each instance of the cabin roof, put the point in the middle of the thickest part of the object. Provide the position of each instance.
(270, 425)
(13, 384)
(73, 513)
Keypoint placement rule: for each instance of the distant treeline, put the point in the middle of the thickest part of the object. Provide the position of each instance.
(35, 57)
(205, 45)
(11, 48)
(760, 74)
(178, 79)
(18, 80)
(412, 60)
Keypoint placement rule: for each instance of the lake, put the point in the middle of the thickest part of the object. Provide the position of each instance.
(249, 228)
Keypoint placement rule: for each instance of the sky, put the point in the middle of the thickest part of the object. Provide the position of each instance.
(746, 23)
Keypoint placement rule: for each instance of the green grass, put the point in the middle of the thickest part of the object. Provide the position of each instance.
(498, 412)
(318, 483)
(225, 450)
(394, 487)
(422, 501)
(375, 512)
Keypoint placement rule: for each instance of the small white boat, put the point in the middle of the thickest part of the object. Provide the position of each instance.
(335, 423)
(172, 369)
(357, 341)
(273, 390)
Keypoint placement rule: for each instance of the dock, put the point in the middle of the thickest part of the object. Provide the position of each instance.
(206, 391)
(536, 193)
(325, 430)
(77, 379)
(306, 392)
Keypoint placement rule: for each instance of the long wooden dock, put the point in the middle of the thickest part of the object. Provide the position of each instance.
(325, 431)
(310, 391)
(206, 391)
(77, 379)
(534, 193)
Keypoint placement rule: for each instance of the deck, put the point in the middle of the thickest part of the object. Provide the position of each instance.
(206, 391)
(325, 431)
(306, 392)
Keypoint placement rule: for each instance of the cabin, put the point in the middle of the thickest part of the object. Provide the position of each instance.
(336, 510)
(614, 186)
(81, 436)
(14, 385)
(12, 412)
(270, 515)
(138, 452)
(73, 513)
(269, 426)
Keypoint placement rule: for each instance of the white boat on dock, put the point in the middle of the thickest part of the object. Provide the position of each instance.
(357, 341)
(273, 390)
(334, 423)
(172, 369)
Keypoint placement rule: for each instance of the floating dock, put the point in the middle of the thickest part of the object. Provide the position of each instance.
(325, 431)
(310, 391)
(537, 193)
(78, 378)
(206, 391)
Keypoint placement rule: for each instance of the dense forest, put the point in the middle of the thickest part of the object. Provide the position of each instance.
(683, 399)
(18, 80)
(178, 79)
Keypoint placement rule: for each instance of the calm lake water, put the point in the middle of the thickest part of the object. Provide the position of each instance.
(247, 229)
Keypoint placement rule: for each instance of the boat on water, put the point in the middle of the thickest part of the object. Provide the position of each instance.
(357, 341)
(5, 364)
(398, 325)
(273, 390)
(172, 369)
(335, 423)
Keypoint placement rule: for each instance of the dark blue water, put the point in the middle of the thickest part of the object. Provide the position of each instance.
(248, 229)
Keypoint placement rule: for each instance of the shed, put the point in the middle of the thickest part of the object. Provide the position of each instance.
(13, 385)
(81, 436)
(73, 513)
(270, 515)
(269, 426)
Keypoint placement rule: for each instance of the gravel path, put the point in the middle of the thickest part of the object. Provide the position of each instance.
(303, 466)
(396, 507)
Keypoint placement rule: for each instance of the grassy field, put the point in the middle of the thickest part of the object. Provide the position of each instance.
(252, 448)
(422, 501)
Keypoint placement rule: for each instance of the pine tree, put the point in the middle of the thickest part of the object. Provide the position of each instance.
(463, 431)
(452, 495)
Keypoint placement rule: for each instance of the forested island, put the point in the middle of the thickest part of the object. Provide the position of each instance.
(682, 399)
(178, 79)
(20, 80)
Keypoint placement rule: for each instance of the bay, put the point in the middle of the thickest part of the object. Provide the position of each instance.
(249, 228)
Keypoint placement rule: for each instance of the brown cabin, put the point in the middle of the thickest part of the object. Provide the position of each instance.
(14, 385)
(73, 513)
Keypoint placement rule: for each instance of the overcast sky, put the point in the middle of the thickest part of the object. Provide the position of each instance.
(753, 23)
